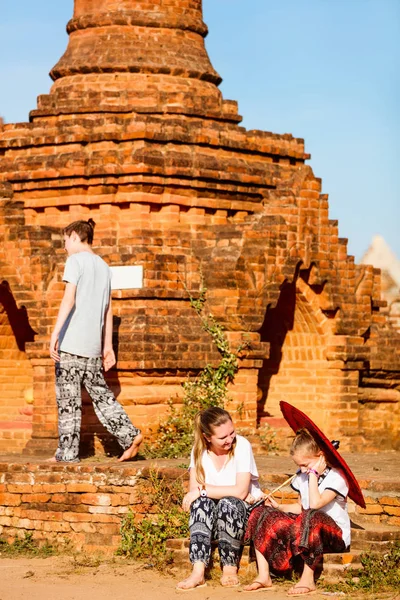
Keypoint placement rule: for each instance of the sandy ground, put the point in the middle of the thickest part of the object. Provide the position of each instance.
(63, 578)
(67, 579)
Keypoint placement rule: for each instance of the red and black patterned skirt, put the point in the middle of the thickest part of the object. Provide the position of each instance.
(280, 537)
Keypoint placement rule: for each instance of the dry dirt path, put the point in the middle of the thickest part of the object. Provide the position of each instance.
(62, 578)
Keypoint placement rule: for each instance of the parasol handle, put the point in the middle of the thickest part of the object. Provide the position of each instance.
(289, 480)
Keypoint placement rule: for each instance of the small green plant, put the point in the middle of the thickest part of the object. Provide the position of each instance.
(379, 573)
(26, 546)
(146, 539)
(175, 436)
(267, 437)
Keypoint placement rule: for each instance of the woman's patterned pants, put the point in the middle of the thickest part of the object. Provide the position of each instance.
(223, 520)
(71, 373)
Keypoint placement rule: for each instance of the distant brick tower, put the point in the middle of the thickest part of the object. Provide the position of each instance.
(135, 133)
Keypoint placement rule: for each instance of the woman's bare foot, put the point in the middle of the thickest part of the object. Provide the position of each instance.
(133, 449)
(195, 580)
(229, 577)
(51, 460)
(191, 582)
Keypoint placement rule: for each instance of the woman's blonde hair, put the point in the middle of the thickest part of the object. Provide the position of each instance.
(204, 423)
(304, 443)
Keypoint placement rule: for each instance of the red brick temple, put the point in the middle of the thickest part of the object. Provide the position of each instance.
(136, 134)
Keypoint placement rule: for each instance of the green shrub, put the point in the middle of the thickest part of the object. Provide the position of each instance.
(379, 572)
(146, 539)
(209, 388)
(26, 546)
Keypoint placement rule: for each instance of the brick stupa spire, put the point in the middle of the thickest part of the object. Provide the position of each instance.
(147, 57)
(136, 135)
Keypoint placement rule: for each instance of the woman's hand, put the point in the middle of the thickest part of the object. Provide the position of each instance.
(189, 498)
(249, 499)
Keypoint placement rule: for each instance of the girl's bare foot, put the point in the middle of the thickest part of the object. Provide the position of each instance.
(133, 449)
(302, 590)
(51, 460)
(258, 585)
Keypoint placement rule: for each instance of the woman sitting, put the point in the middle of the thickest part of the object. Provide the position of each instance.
(223, 485)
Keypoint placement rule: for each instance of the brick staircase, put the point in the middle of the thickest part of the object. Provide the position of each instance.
(366, 538)
(371, 537)
(374, 529)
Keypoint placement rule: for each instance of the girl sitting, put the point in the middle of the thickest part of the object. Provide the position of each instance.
(316, 524)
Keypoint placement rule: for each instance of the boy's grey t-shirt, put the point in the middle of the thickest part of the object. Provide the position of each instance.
(82, 333)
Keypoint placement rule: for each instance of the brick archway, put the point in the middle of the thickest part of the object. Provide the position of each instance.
(16, 388)
(297, 369)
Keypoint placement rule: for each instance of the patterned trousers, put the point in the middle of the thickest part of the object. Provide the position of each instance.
(71, 373)
(223, 520)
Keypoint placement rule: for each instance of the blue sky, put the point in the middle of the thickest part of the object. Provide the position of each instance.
(323, 70)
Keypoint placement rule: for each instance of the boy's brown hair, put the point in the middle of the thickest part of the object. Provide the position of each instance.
(84, 229)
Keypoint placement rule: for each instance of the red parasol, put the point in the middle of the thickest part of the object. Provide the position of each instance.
(297, 420)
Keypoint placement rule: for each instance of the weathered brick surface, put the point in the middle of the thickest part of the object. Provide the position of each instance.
(83, 504)
(136, 134)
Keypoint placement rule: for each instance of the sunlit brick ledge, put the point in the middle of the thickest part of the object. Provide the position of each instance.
(82, 504)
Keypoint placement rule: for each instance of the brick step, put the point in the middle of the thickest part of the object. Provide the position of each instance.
(334, 564)
(363, 540)
(344, 558)
(376, 532)
(371, 546)
(335, 570)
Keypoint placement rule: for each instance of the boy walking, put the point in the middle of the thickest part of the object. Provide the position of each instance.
(81, 347)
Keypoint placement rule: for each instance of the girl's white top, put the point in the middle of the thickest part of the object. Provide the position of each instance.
(242, 461)
(337, 508)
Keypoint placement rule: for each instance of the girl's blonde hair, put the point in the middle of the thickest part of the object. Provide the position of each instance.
(204, 423)
(304, 443)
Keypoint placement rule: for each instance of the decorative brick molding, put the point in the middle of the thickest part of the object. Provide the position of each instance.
(136, 134)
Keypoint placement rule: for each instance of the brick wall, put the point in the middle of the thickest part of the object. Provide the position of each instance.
(15, 382)
(144, 143)
(82, 505)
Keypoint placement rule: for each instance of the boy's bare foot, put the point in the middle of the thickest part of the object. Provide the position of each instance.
(192, 582)
(133, 449)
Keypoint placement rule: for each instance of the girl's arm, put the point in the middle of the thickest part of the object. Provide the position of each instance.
(294, 508)
(67, 304)
(318, 500)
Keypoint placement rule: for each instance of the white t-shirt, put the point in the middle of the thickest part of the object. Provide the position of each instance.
(242, 461)
(337, 508)
(82, 333)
